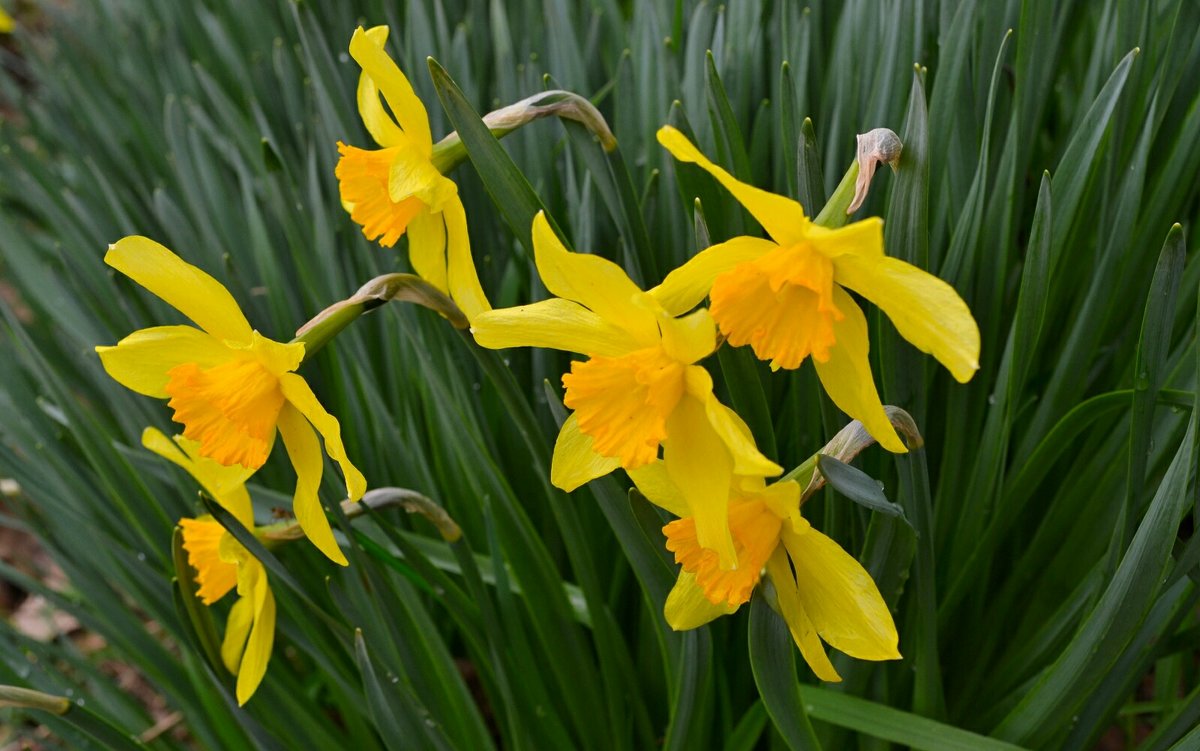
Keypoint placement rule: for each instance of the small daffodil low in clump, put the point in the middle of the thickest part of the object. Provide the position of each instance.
(787, 296)
(222, 563)
(398, 188)
(230, 387)
(640, 388)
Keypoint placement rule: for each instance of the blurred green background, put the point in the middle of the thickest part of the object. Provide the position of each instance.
(1046, 590)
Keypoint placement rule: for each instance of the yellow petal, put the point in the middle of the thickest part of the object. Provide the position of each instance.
(7, 24)
(594, 282)
(427, 248)
(688, 608)
(699, 464)
(783, 498)
(847, 377)
(863, 238)
(690, 338)
(261, 639)
(296, 391)
(140, 361)
(367, 50)
(803, 632)
(305, 452)
(181, 285)
(465, 288)
(840, 597)
(379, 123)
(225, 484)
(552, 324)
(686, 286)
(237, 628)
(653, 482)
(925, 310)
(729, 427)
(574, 462)
(781, 217)
(412, 175)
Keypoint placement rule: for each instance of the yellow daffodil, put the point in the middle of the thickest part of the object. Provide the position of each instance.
(231, 387)
(398, 188)
(640, 387)
(221, 563)
(822, 592)
(786, 296)
(7, 24)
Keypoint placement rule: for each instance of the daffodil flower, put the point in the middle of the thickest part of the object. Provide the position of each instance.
(221, 562)
(786, 296)
(640, 387)
(822, 592)
(7, 24)
(229, 386)
(398, 188)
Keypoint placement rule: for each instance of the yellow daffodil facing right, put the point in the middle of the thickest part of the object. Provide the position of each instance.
(785, 298)
(231, 387)
(640, 388)
(822, 592)
(398, 188)
(222, 563)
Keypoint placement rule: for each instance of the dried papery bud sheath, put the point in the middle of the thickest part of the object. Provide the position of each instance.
(849, 442)
(27, 698)
(382, 289)
(878, 145)
(377, 499)
(568, 105)
(875, 146)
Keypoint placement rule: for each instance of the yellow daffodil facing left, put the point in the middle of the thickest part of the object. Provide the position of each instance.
(640, 388)
(398, 188)
(221, 563)
(785, 296)
(231, 387)
(821, 591)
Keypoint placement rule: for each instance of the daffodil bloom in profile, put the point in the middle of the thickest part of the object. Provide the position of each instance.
(397, 188)
(229, 386)
(786, 296)
(640, 387)
(822, 592)
(221, 562)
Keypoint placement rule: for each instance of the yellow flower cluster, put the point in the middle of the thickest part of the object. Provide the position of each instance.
(640, 399)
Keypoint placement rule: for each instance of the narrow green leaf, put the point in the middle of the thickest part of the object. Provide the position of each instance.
(773, 661)
(810, 181)
(1046, 707)
(890, 724)
(1148, 373)
(508, 188)
(1080, 157)
(857, 486)
(195, 613)
(397, 713)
